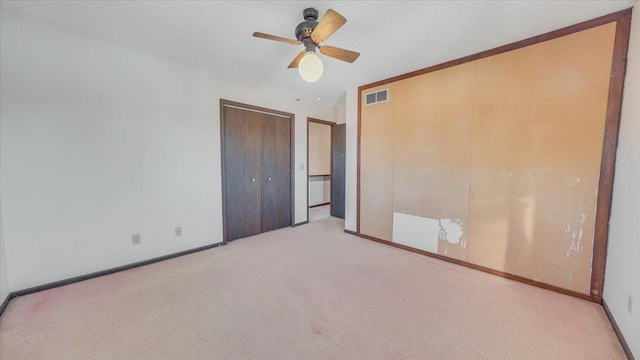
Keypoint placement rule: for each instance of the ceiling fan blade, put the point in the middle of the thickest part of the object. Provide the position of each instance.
(330, 22)
(276, 38)
(338, 53)
(296, 61)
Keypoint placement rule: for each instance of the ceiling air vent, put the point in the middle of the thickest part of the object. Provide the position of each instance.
(377, 97)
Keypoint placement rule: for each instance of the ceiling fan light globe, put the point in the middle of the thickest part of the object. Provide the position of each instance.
(310, 67)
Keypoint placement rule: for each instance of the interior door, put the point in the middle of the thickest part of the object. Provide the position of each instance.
(242, 164)
(282, 178)
(269, 199)
(276, 172)
(338, 169)
(257, 172)
(252, 178)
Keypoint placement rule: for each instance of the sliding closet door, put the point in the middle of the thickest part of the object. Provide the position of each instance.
(242, 163)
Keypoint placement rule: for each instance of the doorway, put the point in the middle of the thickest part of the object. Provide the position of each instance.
(325, 169)
(257, 146)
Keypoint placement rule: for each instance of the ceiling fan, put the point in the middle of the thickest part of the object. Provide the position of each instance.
(311, 33)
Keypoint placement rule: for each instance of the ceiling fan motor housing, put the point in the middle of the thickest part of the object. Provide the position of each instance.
(310, 14)
(305, 28)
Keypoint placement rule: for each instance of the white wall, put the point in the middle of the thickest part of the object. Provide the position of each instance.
(341, 110)
(319, 192)
(99, 142)
(622, 277)
(4, 277)
(319, 149)
(351, 114)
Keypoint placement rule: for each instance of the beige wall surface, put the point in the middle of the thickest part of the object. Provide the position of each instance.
(534, 183)
(503, 153)
(432, 147)
(376, 166)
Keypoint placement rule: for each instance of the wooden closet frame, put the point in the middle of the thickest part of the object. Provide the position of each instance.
(292, 121)
(323, 122)
(610, 145)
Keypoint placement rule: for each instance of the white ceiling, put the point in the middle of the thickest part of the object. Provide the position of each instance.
(393, 37)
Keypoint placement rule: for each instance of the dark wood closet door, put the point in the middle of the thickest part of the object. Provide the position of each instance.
(257, 172)
(269, 199)
(276, 173)
(338, 169)
(242, 163)
(282, 176)
(252, 173)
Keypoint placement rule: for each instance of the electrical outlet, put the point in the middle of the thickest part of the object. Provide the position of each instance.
(442, 235)
(179, 231)
(135, 239)
(630, 304)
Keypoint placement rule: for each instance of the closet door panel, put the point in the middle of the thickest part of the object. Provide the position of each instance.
(282, 177)
(252, 153)
(234, 139)
(269, 203)
(257, 172)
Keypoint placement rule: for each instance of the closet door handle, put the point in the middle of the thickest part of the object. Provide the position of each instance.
(269, 179)
(253, 180)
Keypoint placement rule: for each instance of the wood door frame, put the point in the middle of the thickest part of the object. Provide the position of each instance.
(323, 122)
(292, 121)
(610, 145)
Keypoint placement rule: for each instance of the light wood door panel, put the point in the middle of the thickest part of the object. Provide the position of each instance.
(509, 146)
(537, 144)
(376, 166)
(432, 148)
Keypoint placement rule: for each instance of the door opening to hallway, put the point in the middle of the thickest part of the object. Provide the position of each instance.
(326, 169)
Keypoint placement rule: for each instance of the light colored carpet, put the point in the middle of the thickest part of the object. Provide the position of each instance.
(310, 292)
(319, 213)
